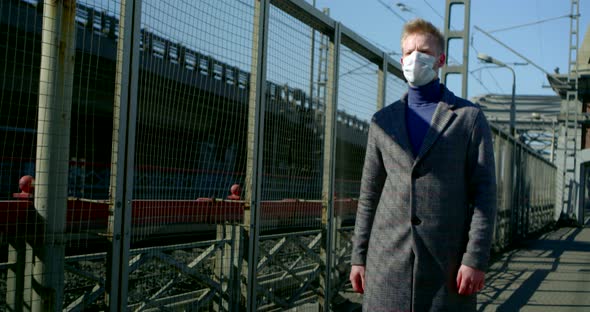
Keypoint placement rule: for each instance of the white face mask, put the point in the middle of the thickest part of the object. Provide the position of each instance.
(418, 68)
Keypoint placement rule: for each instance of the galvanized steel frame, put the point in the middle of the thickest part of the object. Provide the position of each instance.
(329, 162)
(256, 107)
(123, 153)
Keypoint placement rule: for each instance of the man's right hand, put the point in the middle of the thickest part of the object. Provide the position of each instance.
(357, 278)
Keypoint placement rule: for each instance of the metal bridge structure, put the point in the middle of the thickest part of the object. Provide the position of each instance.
(536, 118)
(207, 155)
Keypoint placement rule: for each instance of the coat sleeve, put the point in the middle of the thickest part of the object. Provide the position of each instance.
(481, 187)
(372, 182)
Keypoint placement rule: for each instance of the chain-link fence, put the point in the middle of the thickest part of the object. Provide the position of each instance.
(196, 155)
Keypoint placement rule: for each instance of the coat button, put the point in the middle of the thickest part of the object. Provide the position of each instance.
(416, 220)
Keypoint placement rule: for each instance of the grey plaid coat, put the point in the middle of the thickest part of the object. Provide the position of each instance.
(419, 218)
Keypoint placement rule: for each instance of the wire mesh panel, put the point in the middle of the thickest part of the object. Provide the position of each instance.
(294, 110)
(90, 154)
(192, 106)
(19, 70)
(396, 87)
(190, 151)
(357, 102)
(548, 196)
(92, 117)
(93, 97)
(195, 58)
(290, 211)
(534, 212)
(64, 159)
(502, 228)
(585, 181)
(20, 41)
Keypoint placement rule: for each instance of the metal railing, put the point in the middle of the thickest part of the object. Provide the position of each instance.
(526, 190)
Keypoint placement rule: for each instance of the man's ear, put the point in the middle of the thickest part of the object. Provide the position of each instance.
(441, 60)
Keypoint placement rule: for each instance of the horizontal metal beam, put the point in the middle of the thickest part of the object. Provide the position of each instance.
(369, 51)
(307, 14)
(314, 18)
(290, 234)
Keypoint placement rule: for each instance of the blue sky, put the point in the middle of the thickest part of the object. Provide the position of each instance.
(546, 44)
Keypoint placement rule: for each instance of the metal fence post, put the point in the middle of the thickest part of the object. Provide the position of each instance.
(498, 147)
(53, 146)
(518, 189)
(520, 171)
(507, 185)
(256, 106)
(329, 168)
(123, 152)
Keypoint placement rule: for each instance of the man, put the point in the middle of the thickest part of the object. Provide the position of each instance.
(427, 204)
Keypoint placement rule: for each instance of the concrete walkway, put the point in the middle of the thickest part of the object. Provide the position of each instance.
(551, 273)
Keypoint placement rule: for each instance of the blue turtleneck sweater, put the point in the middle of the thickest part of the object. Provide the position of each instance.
(422, 102)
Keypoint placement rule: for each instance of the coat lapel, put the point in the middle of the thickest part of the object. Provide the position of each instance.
(398, 130)
(441, 118)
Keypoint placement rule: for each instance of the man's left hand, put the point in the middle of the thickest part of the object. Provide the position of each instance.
(469, 280)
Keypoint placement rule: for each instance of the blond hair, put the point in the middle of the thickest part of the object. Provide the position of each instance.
(421, 26)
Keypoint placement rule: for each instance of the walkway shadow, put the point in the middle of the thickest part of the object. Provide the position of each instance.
(556, 266)
(350, 302)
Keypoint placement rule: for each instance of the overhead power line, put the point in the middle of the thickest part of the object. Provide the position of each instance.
(392, 10)
(435, 11)
(511, 50)
(478, 79)
(531, 23)
(518, 54)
